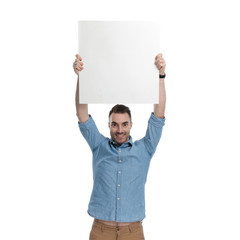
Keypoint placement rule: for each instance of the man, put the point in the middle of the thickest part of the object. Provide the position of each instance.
(120, 166)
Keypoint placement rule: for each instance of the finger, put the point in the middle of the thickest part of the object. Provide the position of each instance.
(159, 60)
(78, 61)
(162, 62)
(79, 64)
(159, 63)
(158, 56)
(78, 57)
(76, 71)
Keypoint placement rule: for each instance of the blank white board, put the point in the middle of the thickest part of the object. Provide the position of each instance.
(118, 59)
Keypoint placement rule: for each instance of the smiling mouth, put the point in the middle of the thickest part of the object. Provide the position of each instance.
(120, 135)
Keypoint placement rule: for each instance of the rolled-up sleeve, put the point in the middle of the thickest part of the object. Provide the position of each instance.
(153, 133)
(90, 133)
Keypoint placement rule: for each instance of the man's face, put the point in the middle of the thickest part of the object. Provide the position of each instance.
(120, 125)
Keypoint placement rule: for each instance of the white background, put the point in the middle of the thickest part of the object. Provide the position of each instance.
(192, 190)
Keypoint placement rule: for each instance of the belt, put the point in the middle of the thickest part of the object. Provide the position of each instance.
(132, 227)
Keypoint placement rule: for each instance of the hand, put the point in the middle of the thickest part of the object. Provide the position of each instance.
(78, 64)
(160, 64)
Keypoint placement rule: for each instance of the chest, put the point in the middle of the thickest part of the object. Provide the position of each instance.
(129, 161)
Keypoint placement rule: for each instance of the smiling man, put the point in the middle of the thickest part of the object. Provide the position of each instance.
(120, 166)
(120, 123)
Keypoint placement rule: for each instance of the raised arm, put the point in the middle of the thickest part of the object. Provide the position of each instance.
(159, 109)
(81, 109)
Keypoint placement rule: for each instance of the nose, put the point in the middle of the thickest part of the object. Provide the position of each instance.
(119, 128)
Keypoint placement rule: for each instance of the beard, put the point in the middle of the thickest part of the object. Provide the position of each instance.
(120, 137)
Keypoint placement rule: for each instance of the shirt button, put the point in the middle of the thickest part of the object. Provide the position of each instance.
(120, 160)
(118, 185)
(119, 150)
(118, 198)
(119, 172)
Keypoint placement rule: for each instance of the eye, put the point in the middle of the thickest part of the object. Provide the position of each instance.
(113, 124)
(125, 124)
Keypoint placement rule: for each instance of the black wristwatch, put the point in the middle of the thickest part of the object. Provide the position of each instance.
(162, 76)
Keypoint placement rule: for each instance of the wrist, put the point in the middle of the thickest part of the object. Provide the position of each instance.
(162, 75)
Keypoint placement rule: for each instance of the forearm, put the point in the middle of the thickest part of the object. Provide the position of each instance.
(81, 109)
(159, 109)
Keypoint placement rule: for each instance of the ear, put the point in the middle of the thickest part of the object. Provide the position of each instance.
(109, 124)
(131, 125)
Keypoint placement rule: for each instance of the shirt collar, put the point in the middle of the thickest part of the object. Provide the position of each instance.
(128, 143)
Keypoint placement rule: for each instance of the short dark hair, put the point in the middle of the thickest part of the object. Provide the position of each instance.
(119, 108)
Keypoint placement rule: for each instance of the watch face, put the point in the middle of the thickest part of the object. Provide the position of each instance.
(162, 76)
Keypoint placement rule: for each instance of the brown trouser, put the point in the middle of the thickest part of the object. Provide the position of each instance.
(101, 231)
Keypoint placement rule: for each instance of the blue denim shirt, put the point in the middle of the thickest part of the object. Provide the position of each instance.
(120, 172)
